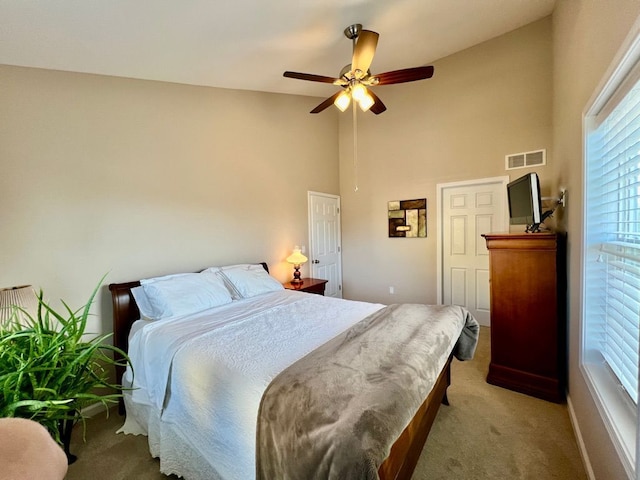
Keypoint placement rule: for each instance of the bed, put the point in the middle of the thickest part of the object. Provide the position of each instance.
(210, 421)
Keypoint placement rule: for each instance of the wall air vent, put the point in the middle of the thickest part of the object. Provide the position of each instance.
(526, 159)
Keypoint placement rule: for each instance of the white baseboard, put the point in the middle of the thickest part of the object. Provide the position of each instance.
(580, 440)
(93, 410)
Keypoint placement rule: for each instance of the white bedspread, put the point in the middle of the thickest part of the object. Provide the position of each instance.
(199, 379)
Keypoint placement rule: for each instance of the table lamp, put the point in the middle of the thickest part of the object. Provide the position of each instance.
(14, 298)
(296, 259)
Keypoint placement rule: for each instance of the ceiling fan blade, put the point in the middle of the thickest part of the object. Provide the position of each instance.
(327, 103)
(405, 75)
(378, 107)
(311, 77)
(364, 50)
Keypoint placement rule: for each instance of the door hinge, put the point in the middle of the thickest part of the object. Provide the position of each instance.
(339, 249)
(338, 209)
(339, 287)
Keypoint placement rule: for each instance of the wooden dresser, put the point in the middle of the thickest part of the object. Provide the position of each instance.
(528, 313)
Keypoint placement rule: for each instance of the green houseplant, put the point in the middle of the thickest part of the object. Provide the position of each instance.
(49, 371)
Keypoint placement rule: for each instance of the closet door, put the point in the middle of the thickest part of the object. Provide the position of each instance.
(468, 211)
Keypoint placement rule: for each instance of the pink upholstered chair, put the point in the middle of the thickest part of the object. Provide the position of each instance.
(28, 452)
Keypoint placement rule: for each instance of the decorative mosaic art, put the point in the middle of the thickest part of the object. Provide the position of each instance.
(408, 218)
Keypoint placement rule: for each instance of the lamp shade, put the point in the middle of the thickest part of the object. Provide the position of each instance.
(358, 92)
(13, 298)
(366, 102)
(342, 101)
(296, 258)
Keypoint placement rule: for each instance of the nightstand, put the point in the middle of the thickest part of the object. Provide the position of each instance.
(309, 285)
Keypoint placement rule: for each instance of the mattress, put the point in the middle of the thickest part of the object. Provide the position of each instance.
(199, 378)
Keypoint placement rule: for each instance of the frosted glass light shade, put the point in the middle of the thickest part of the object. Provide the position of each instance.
(342, 101)
(358, 92)
(366, 102)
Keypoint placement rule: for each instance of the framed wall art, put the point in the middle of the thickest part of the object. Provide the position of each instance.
(408, 218)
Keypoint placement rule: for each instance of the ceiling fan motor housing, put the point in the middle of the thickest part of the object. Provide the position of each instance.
(352, 31)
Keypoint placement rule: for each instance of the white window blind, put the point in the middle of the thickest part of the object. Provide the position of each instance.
(612, 258)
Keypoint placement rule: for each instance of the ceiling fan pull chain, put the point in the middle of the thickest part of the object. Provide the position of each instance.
(354, 35)
(355, 145)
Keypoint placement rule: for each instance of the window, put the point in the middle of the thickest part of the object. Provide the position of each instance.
(613, 237)
(611, 261)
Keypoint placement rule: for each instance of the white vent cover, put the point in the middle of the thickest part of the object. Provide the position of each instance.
(526, 159)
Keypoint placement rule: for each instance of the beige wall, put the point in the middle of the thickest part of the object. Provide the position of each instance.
(586, 36)
(482, 104)
(135, 178)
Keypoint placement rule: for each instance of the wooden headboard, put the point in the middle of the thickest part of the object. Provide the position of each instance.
(125, 312)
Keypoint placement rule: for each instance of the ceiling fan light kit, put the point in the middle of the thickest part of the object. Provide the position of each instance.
(356, 79)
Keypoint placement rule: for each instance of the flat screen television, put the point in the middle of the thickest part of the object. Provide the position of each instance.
(525, 203)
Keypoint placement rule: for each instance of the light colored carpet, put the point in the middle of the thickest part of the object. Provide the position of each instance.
(486, 433)
(490, 432)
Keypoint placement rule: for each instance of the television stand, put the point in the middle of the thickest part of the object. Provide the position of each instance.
(535, 227)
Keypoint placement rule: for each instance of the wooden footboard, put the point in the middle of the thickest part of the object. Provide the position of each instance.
(405, 452)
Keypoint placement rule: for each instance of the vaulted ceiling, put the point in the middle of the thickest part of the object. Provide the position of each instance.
(246, 44)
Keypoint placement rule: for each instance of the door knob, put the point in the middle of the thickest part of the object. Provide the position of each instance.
(316, 261)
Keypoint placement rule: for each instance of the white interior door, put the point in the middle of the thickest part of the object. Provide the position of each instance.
(324, 241)
(467, 210)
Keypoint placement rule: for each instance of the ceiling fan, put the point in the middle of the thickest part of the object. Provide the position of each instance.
(355, 78)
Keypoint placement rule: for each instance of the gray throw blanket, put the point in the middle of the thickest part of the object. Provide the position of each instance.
(335, 413)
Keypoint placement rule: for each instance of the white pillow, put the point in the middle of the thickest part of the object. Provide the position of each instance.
(164, 277)
(250, 281)
(186, 293)
(235, 294)
(211, 269)
(244, 266)
(146, 310)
